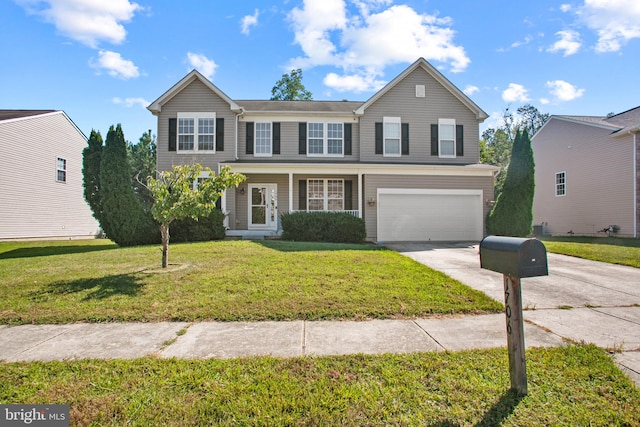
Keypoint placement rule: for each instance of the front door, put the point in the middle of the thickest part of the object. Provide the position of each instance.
(263, 207)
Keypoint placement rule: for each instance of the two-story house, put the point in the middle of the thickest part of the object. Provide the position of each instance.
(406, 160)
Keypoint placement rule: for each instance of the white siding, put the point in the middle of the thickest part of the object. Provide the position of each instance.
(32, 203)
(599, 179)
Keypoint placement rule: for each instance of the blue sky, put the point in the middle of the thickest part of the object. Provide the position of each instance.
(103, 62)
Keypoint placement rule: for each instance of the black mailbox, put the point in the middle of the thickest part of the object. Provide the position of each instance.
(514, 256)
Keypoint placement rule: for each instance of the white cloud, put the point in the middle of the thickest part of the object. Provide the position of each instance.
(544, 101)
(87, 21)
(364, 43)
(569, 43)
(470, 90)
(515, 93)
(203, 64)
(354, 83)
(564, 91)
(249, 21)
(115, 65)
(130, 102)
(615, 21)
(565, 7)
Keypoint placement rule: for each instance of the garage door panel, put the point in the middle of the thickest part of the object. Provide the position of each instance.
(423, 217)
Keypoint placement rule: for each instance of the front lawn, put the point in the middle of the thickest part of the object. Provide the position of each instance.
(95, 281)
(605, 249)
(568, 386)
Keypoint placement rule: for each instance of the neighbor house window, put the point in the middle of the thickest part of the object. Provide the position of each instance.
(392, 136)
(561, 183)
(325, 139)
(196, 132)
(447, 137)
(263, 139)
(61, 170)
(325, 194)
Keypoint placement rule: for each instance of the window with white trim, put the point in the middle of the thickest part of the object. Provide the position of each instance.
(61, 170)
(392, 132)
(561, 183)
(196, 132)
(325, 139)
(263, 139)
(447, 137)
(325, 194)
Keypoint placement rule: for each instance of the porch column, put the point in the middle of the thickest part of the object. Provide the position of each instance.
(360, 194)
(290, 191)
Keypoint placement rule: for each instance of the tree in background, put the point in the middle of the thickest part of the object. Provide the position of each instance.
(123, 218)
(290, 88)
(91, 157)
(182, 193)
(142, 162)
(496, 144)
(512, 214)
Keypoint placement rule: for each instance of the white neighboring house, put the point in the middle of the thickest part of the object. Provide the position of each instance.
(41, 192)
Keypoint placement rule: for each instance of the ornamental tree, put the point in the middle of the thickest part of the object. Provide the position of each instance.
(183, 193)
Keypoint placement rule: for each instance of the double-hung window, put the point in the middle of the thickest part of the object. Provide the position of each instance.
(263, 139)
(392, 136)
(447, 137)
(325, 139)
(196, 132)
(561, 183)
(325, 194)
(61, 170)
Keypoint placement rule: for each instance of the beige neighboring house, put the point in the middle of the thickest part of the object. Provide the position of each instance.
(41, 192)
(406, 160)
(588, 175)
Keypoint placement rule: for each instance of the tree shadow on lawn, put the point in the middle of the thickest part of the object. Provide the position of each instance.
(99, 288)
(54, 250)
(499, 412)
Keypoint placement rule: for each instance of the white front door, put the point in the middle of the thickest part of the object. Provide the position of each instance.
(263, 207)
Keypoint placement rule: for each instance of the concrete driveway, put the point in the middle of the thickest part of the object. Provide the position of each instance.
(580, 300)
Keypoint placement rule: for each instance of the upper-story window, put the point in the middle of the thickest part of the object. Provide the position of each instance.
(196, 132)
(61, 170)
(325, 139)
(561, 183)
(447, 137)
(392, 136)
(263, 139)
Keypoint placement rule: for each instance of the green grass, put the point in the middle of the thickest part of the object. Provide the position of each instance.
(568, 386)
(95, 281)
(606, 249)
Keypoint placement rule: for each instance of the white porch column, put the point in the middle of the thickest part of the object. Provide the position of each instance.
(290, 191)
(360, 194)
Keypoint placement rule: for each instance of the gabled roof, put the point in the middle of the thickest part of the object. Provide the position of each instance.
(619, 124)
(440, 78)
(339, 107)
(18, 114)
(156, 106)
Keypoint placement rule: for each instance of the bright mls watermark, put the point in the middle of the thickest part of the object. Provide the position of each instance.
(34, 415)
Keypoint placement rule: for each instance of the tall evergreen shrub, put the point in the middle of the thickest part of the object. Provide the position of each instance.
(91, 157)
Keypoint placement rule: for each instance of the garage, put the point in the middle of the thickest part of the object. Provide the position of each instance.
(423, 215)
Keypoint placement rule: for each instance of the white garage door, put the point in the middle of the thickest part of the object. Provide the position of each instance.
(423, 215)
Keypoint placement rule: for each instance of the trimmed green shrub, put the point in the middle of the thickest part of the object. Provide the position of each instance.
(205, 228)
(334, 227)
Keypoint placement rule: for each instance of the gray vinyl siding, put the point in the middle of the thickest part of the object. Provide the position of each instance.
(373, 182)
(599, 179)
(289, 143)
(420, 113)
(32, 203)
(195, 97)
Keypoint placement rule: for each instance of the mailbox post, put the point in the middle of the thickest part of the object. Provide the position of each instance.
(515, 258)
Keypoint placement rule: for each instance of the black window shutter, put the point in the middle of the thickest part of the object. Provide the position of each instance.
(378, 138)
(405, 138)
(434, 140)
(302, 138)
(347, 139)
(173, 131)
(459, 140)
(249, 137)
(348, 195)
(219, 203)
(276, 137)
(302, 197)
(220, 134)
